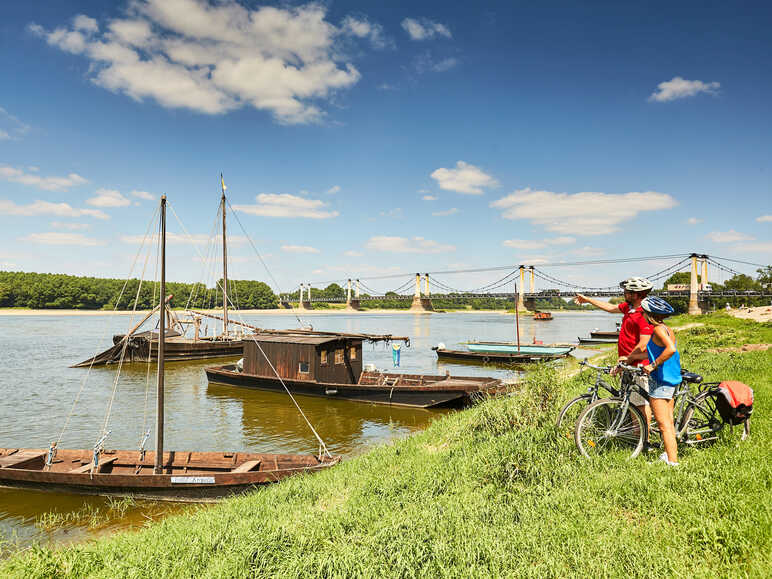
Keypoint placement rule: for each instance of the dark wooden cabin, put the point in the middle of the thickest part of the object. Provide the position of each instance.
(324, 359)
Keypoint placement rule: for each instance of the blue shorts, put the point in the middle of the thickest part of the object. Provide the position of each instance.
(659, 390)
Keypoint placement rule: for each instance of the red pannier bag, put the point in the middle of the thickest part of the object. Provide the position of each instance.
(734, 401)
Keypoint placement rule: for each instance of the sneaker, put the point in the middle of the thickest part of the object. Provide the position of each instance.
(663, 458)
(651, 447)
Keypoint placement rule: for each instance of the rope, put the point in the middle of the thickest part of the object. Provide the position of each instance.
(104, 331)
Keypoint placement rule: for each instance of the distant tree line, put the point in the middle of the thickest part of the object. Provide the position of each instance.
(58, 291)
(739, 283)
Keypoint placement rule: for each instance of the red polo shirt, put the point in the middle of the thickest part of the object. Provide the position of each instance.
(634, 325)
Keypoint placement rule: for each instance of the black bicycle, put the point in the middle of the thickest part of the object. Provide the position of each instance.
(604, 381)
(614, 424)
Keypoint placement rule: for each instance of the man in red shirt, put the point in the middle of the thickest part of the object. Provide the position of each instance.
(635, 331)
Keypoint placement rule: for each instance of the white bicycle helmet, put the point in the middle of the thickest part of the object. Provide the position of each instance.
(636, 284)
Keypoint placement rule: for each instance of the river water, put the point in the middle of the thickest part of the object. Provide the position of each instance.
(38, 390)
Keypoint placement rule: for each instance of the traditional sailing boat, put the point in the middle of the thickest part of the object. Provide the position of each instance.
(159, 474)
(135, 346)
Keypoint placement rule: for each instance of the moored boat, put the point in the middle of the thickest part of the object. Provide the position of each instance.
(542, 316)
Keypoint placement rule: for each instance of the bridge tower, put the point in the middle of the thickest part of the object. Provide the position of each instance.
(352, 305)
(694, 305)
(420, 303)
(305, 297)
(527, 302)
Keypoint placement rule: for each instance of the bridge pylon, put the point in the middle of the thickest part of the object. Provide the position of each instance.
(352, 304)
(420, 302)
(305, 301)
(694, 289)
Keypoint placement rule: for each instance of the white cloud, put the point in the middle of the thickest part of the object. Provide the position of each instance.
(352, 253)
(10, 127)
(580, 213)
(299, 249)
(214, 57)
(430, 198)
(693, 221)
(16, 175)
(451, 211)
(678, 88)
(47, 208)
(730, 236)
(406, 245)
(286, 205)
(108, 198)
(764, 218)
(362, 28)
(70, 226)
(58, 238)
(426, 62)
(424, 29)
(537, 243)
(144, 195)
(334, 189)
(465, 178)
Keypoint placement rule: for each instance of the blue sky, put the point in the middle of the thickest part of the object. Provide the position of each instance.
(362, 140)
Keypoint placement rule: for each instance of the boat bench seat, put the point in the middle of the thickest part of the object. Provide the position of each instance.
(248, 466)
(19, 458)
(87, 467)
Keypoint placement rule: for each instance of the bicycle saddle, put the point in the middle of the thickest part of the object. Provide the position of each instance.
(691, 377)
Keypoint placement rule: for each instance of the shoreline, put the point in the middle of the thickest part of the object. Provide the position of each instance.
(12, 312)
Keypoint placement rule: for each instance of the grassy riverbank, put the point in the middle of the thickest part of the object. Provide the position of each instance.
(487, 492)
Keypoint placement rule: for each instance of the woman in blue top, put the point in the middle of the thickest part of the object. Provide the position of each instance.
(664, 370)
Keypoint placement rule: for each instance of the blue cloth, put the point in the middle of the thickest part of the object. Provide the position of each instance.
(395, 350)
(657, 390)
(669, 373)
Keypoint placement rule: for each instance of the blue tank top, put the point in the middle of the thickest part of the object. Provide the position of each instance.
(668, 373)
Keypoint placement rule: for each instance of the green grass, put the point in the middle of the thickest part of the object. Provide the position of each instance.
(491, 491)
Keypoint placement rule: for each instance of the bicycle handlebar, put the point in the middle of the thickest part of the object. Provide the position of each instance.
(632, 369)
(594, 367)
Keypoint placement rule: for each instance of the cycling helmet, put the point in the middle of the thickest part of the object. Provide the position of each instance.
(657, 306)
(636, 284)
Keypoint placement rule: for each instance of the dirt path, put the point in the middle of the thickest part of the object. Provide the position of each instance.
(760, 314)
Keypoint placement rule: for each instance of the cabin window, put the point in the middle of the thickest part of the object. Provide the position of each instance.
(303, 367)
(339, 356)
(323, 357)
(353, 353)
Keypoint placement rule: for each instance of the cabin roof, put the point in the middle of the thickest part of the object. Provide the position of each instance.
(313, 340)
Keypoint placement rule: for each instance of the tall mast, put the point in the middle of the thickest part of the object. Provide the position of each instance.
(159, 427)
(224, 265)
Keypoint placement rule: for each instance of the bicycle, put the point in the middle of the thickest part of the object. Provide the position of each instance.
(614, 424)
(573, 408)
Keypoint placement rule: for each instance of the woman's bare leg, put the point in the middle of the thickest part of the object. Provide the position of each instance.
(663, 412)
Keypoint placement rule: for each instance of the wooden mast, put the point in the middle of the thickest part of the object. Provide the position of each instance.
(517, 317)
(159, 427)
(224, 266)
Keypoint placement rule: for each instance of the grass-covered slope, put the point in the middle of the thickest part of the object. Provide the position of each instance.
(491, 491)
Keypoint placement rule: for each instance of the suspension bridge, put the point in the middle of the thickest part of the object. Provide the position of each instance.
(521, 282)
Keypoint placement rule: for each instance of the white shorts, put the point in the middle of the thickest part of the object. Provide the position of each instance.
(635, 398)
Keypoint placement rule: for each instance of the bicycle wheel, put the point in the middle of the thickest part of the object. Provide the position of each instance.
(566, 422)
(701, 421)
(602, 428)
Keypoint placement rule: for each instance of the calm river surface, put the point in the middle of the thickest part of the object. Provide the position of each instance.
(37, 390)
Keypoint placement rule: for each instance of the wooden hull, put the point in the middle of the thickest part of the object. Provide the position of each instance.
(186, 476)
(416, 390)
(144, 349)
(605, 335)
(496, 357)
(596, 341)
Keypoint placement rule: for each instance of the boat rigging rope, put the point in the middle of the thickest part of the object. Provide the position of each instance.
(145, 429)
(104, 331)
(322, 445)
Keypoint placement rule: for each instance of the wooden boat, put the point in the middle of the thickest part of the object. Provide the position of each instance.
(493, 357)
(330, 366)
(134, 346)
(610, 335)
(596, 341)
(542, 316)
(513, 348)
(178, 476)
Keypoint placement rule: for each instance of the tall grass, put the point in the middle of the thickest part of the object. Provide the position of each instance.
(491, 491)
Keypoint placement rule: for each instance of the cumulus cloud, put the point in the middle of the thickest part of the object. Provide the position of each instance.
(215, 57)
(693, 221)
(299, 249)
(538, 243)
(144, 195)
(58, 238)
(47, 208)
(679, 88)
(286, 205)
(764, 218)
(465, 178)
(451, 211)
(333, 190)
(427, 62)
(108, 198)
(730, 236)
(425, 29)
(580, 213)
(407, 245)
(430, 198)
(32, 179)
